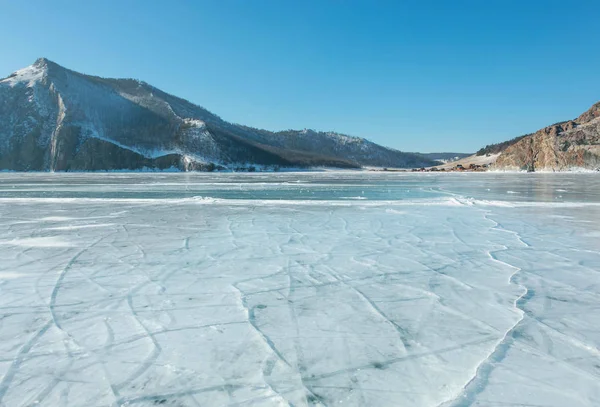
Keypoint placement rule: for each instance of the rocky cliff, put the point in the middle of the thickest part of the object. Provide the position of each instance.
(55, 119)
(562, 146)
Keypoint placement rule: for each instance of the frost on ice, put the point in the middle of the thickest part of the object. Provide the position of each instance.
(189, 302)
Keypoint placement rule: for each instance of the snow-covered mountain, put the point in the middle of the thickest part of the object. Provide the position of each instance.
(52, 118)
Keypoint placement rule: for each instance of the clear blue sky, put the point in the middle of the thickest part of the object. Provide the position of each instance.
(414, 75)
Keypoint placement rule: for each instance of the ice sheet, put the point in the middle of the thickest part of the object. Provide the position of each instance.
(130, 290)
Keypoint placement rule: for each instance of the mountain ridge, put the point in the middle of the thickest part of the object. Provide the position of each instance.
(570, 144)
(56, 119)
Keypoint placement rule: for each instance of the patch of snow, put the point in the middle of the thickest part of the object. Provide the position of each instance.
(195, 123)
(473, 159)
(27, 76)
(36, 242)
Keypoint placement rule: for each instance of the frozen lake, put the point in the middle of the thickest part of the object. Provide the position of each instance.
(300, 289)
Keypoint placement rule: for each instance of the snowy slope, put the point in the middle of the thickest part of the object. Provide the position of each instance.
(52, 118)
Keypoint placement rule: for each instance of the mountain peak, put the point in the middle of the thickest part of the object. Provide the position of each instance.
(41, 62)
(45, 64)
(28, 75)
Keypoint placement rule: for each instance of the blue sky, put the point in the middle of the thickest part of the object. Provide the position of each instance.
(414, 75)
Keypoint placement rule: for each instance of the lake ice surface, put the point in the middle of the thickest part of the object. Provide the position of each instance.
(300, 289)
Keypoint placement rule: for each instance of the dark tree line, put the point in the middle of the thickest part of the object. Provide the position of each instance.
(499, 147)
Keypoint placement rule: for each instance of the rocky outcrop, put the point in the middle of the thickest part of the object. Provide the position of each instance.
(55, 119)
(562, 146)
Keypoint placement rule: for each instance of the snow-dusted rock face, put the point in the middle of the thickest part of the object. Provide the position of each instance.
(55, 119)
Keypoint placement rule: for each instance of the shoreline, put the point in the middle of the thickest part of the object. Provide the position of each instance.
(370, 170)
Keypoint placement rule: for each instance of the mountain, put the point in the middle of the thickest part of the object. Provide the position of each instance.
(55, 119)
(559, 147)
(444, 157)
